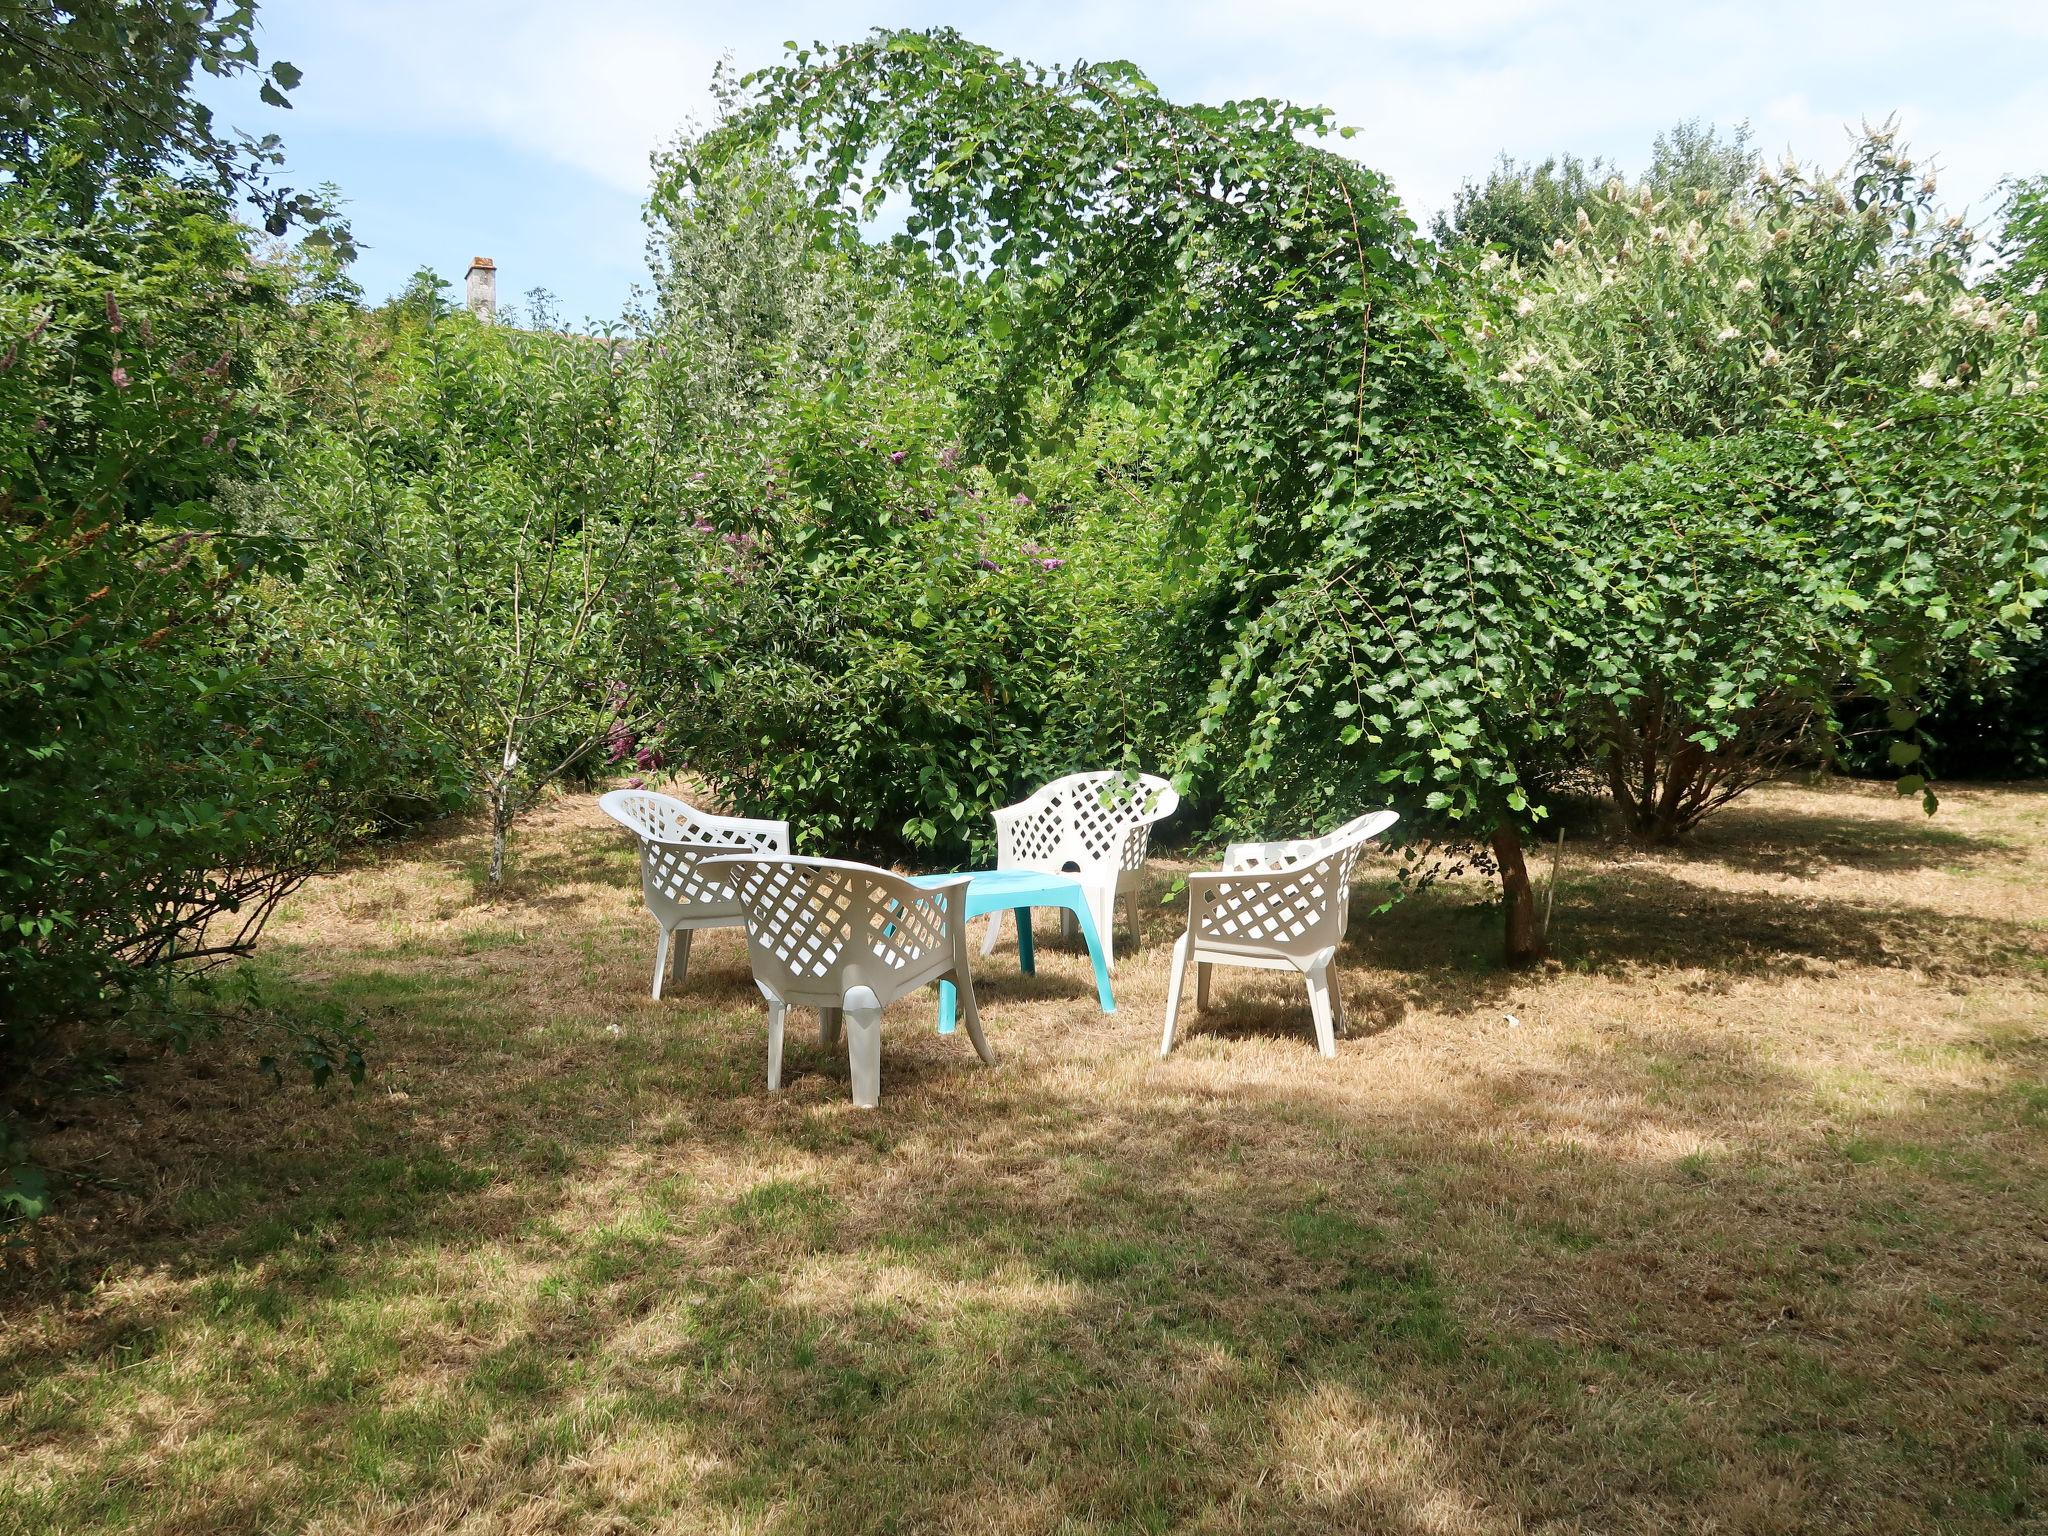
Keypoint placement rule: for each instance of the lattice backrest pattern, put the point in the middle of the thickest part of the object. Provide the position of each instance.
(1300, 907)
(810, 918)
(1281, 909)
(1091, 819)
(671, 874)
(669, 820)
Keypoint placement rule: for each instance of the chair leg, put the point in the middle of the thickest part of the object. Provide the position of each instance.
(1337, 998)
(995, 928)
(1173, 986)
(970, 1015)
(661, 961)
(864, 1046)
(1202, 970)
(1102, 907)
(682, 965)
(1319, 1006)
(1137, 927)
(778, 1015)
(828, 1027)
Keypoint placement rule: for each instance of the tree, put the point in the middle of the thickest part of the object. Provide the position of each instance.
(1785, 527)
(1742, 589)
(1394, 584)
(100, 90)
(482, 519)
(2022, 245)
(1695, 156)
(1706, 312)
(1523, 206)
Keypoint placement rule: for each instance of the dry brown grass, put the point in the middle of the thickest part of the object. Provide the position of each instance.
(1735, 1220)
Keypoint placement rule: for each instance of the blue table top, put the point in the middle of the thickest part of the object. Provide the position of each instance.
(1009, 881)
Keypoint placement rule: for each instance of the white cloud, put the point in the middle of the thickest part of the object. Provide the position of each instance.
(1438, 89)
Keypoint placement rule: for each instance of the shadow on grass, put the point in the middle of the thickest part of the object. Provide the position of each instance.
(991, 1306)
(1652, 915)
(1775, 840)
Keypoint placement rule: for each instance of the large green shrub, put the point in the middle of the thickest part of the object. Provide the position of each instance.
(902, 641)
(171, 763)
(1742, 590)
(901, 648)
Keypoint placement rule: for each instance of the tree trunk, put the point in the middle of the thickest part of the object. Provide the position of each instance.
(1661, 810)
(501, 825)
(1673, 806)
(1518, 898)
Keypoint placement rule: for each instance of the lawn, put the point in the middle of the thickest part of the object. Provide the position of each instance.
(1734, 1220)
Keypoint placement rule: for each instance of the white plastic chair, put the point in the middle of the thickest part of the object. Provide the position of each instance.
(675, 838)
(1096, 827)
(1275, 907)
(848, 938)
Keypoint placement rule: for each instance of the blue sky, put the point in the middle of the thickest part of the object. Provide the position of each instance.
(521, 129)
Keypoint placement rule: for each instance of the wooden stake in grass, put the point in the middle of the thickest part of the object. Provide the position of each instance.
(1550, 890)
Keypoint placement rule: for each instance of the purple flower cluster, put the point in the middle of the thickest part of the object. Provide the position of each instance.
(898, 456)
(1040, 556)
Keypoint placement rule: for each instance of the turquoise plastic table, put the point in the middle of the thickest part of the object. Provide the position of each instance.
(992, 890)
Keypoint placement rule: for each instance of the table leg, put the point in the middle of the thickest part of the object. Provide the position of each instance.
(1027, 960)
(1085, 921)
(948, 1003)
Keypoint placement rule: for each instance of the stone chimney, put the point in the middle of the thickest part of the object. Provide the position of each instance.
(482, 296)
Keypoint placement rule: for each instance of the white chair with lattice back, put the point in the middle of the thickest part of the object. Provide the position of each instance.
(848, 939)
(1275, 907)
(1096, 827)
(675, 837)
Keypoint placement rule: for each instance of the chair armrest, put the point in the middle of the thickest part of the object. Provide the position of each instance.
(1011, 820)
(673, 874)
(955, 892)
